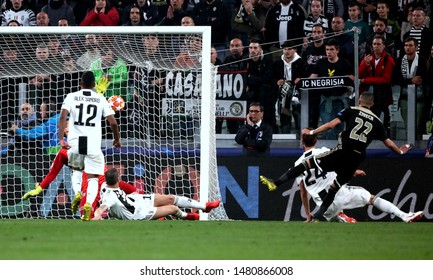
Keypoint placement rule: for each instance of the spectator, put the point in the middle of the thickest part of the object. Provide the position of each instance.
(287, 73)
(379, 29)
(393, 28)
(102, 14)
(42, 19)
(46, 132)
(315, 17)
(333, 99)
(175, 13)
(214, 59)
(420, 32)
(345, 40)
(314, 52)
(213, 13)
(9, 86)
(40, 85)
(259, 76)
(368, 10)
(25, 17)
(20, 144)
(248, 21)
(354, 20)
(411, 71)
(234, 61)
(256, 135)
(66, 82)
(68, 42)
(161, 7)
(284, 21)
(57, 10)
(81, 10)
(13, 23)
(331, 8)
(375, 71)
(187, 21)
(93, 53)
(55, 48)
(135, 17)
(148, 13)
(407, 21)
(36, 5)
(191, 57)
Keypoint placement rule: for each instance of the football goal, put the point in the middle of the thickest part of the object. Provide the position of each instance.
(163, 75)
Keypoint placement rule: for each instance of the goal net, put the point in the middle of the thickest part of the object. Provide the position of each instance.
(167, 127)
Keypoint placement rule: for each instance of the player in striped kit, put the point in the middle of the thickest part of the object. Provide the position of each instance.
(145, 207)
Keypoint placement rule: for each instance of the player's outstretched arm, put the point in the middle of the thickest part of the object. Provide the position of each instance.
(393, 147)
(305, 202)
(32, 193)
(324, 127)
(98, 212)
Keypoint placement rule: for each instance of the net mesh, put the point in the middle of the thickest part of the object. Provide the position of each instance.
(158, 75)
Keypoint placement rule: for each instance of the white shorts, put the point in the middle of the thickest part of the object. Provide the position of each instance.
(144, 206)
(348, 197)
(92, 164)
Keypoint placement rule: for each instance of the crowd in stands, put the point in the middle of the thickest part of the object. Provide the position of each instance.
(277, 43)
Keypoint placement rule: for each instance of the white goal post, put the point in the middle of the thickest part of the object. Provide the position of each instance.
(164, 75)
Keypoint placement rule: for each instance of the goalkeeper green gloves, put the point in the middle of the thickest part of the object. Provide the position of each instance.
(32, 193)
(102, 85)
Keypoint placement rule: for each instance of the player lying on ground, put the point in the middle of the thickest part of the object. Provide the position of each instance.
(316, 184)
(144, 207)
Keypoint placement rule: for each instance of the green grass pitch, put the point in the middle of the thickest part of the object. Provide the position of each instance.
(213, 240)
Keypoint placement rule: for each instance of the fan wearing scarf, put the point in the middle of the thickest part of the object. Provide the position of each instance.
(411, 70)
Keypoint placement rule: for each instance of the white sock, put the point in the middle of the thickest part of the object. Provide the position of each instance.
(92, 190)
(185, 202)
(180, 214)
(76, 179)
(387, 207)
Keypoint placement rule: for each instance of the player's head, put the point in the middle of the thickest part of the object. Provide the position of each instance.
(112, 177)
(88, 80)
(366, 99)
(309, 140)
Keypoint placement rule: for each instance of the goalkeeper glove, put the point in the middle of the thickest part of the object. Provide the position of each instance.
(34, 192)
(102, 85)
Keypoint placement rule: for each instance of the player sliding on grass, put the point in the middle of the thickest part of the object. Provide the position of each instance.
(144, 207)
(362, 126)
(317, 183)
(79, 184)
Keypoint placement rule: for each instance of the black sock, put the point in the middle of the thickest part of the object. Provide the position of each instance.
(291, 173)
(327, 201)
